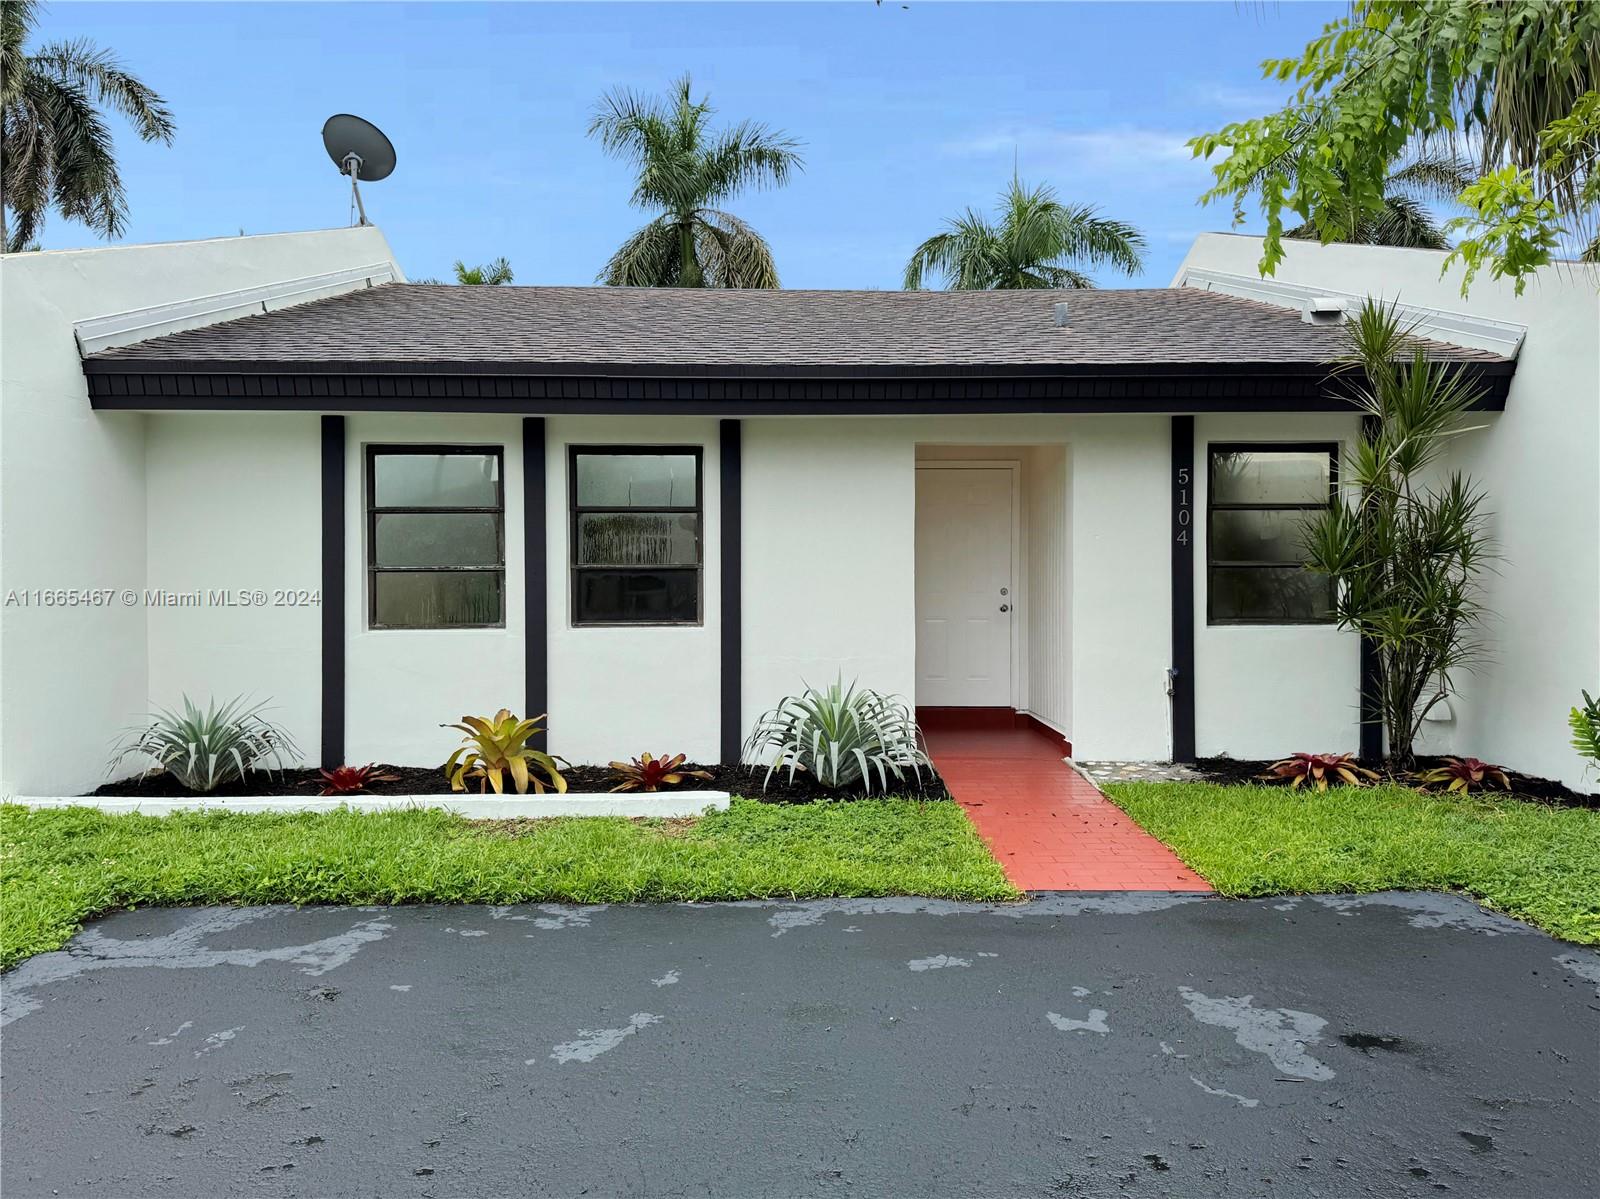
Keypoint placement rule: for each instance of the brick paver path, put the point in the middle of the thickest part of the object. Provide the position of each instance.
(1050, 828)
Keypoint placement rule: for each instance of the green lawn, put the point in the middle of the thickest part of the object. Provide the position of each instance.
(1531, 861)
(59, 867)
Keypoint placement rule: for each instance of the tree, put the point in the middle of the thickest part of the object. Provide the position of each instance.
(55, 148)
(494, 274)
(1517, 77)
(1035, 243)
(684, 170)
(1404, 219)
(1405, 555)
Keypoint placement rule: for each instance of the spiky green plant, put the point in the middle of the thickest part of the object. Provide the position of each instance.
(840, 736)
(1037, 242)
(493, 274)
(1585, 725)
(685, 171)
(205, 749)
(1404, 553)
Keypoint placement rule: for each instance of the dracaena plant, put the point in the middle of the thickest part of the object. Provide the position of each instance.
(204, 749)
(841, 736)
(497, 746)
(1407, 547)
(1467, 774)
(1320, 770)
(646, 773)
(353, 780)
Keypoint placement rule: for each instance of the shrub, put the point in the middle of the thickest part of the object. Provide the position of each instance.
(1585, 725)
(204, 750)
(841, 737)
(1318, 770)
(498, 746)
(1467, 774)
(645, 773)
(352, 780)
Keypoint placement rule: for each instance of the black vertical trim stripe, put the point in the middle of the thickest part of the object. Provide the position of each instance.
(1183, 539)
(536, 590)
(732, 518)
(333, 526)
(1371, 748)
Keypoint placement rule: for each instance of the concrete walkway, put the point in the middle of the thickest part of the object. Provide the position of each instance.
(1050, 828)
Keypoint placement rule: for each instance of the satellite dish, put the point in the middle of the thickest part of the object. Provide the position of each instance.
(360, 150)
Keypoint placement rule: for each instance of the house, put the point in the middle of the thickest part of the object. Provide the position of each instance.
(269, 465)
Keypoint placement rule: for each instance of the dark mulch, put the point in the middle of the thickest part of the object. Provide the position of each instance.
(1523, 786)
(430, 780)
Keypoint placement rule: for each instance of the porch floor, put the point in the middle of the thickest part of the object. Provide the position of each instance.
(1049, 827)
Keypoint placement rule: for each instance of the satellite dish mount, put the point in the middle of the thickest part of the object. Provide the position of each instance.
(360, 150)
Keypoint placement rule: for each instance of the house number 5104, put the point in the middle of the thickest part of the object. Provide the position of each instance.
(1182, 534)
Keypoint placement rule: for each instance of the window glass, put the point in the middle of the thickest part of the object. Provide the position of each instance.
(1261, 500)
(1259, 534)
(437, 539)
(643, 596)
(437, 599)
(636, 536)
(1273, 594)
(436, 480)
(636, 480)
(1270, 477)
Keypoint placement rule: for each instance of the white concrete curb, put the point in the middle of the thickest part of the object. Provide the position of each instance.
(473, 807)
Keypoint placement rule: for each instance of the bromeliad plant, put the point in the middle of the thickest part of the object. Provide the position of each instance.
(1319, 770)
(497, 746)
(842, 737)
(205, 749)
(646, 773)
(352, 780)
(1467, 774)
(1585, 725)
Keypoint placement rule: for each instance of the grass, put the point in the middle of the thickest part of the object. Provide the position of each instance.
(60, 867)
(1532, 861)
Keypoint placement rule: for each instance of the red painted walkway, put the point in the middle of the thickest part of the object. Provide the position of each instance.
(1050, 828)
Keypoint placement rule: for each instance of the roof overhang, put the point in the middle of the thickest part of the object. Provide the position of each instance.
(631, 389)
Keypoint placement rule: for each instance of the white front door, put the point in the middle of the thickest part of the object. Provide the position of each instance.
(965, 593)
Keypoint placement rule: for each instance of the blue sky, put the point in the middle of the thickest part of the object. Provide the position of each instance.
(908, 115)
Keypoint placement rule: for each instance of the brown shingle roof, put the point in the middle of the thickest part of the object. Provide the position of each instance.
(544, 328)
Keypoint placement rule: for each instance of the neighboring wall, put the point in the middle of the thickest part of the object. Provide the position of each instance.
(73, 495)
(1539, 462)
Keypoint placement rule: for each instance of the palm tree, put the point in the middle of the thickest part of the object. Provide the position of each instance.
(55, 149)
(1405, 219)
(1037, 242)
(684, 171)
(494, 274)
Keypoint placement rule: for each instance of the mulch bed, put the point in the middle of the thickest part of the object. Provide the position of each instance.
(430, 780)
(1523, 786)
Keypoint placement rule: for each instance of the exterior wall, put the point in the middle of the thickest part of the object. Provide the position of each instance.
(401, 685)
(234, 502)
(1265, 691)
(72, 486)
(619, 691)
(1539, 462)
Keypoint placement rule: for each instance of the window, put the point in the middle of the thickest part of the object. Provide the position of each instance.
(436, 539)
(1259, 500)
(635, 537)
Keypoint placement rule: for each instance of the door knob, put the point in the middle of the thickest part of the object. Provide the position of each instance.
(1005, 607)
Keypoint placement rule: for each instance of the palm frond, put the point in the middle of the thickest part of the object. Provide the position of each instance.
(748, 155)
(731, 253)
(98, 73)
(650, 258)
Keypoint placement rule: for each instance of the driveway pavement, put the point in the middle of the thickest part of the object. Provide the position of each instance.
(1393, 1045)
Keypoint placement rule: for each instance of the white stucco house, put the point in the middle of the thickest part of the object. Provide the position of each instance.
(268, 465)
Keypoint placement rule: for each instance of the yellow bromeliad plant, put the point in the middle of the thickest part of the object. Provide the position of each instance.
(496, 747)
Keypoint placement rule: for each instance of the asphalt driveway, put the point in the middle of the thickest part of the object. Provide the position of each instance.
(1391, 1045)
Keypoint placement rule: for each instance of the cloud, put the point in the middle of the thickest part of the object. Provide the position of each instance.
(1151, 156)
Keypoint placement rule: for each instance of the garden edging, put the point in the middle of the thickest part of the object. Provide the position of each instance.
(678, 804)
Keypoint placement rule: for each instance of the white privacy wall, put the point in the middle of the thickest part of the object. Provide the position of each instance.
(1539, 462)
(402, 685)
(1266, 691)
(619, 691)
(73, 486)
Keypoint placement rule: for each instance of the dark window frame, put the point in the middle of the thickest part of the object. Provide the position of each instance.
(575, 512)
(374, 510)
(1331, 449)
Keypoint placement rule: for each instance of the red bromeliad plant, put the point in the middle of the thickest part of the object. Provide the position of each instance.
(646, 773)
(352, 780)
(1318, 770)
(1467, 774)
